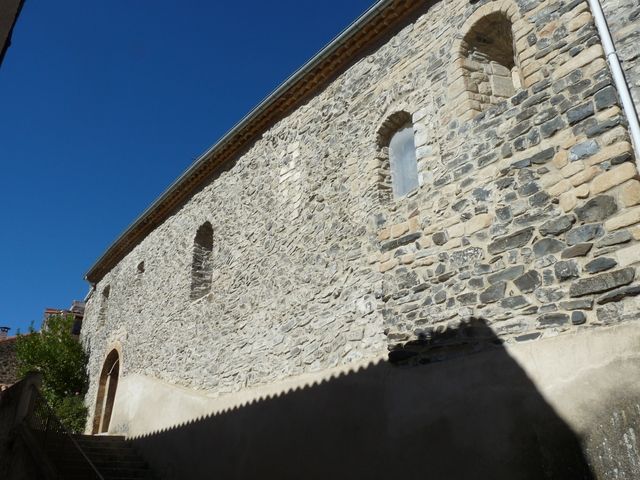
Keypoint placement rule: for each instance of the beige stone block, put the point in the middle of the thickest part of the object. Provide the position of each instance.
(568, 139)
(579, 21)
(583, 58)
(426, 261)
(399, 229)
(571, 169)
(384, 257)
(560, 159)
(467, 115)
(448, 222)
(502, 86)
(453, 243)
(384, 234)
(626, 218)
(613, 177)
(548, 29)
(533, 78)
(456, 231)
(408, 258)
(584, 176)
(630, 193)
(386, 266)
(478, 222)
(594, 67)
(580, 7)
(550, 179)
(615, 135)
(522, 44)
(425, 242)
(526, 55)
(582, 191)
(457, 87)
(414, 224)
(568, 201)
(530, 69)
(521, 27)
(608, 113)
(635, 232)
(610, 152)
(373, 258)
(629, 255)
(559, 188)
(432, 228)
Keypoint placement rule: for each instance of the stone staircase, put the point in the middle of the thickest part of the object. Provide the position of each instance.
(113, 457)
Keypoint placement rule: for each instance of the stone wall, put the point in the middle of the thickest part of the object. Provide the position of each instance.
(525, 216)
(623, 18)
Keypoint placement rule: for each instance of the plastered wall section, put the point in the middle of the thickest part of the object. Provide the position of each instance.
(525, 217)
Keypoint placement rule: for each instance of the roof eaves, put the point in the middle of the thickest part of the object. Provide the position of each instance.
(370, 25)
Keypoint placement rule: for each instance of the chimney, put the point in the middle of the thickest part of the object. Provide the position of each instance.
(3, 332)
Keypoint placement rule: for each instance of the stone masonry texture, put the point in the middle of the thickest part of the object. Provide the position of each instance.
(520, 218)
(623, 18)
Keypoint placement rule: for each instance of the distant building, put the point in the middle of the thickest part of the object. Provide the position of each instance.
(76, 310)
(445, 184)
(9, 11)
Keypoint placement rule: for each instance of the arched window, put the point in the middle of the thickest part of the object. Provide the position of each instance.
(397, 137)
(202, 262)
(108, 383)
(489, 61)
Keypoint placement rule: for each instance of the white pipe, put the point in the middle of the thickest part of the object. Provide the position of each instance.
(618, 75)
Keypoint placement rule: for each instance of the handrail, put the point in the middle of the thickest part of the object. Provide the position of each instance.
(50, 432)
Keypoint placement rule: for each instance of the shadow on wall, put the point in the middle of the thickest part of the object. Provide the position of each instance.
(471, 417)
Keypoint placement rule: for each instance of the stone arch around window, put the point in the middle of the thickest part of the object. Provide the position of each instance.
(106, 395)
(397, 160)
(486, 68)
(202, 264)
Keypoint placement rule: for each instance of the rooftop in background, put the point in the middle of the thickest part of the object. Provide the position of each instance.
(76, 310)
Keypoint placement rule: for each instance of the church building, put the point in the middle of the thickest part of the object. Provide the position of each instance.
(419, 254)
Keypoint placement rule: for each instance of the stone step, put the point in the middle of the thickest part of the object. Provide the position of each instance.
(77, 468)
(112, 455)
(99, 438)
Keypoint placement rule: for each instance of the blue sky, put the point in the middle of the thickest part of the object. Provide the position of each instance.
(104, 104)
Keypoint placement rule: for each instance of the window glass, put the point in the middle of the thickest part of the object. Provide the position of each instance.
(404, 166)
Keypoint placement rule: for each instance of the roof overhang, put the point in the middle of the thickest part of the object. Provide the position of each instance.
(9, 11)
(382, 18)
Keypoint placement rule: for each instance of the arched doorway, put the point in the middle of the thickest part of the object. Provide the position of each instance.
(106, 392)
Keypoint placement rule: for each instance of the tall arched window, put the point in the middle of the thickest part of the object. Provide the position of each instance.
(397, 137)
(201, 268)
(489, 61)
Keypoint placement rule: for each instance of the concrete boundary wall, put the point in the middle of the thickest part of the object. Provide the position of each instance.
(537, 410)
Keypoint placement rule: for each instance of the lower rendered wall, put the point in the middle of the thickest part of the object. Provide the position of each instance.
(562, 408)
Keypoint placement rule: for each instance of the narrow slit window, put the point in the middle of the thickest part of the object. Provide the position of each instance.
(104, 303)
(202, 267)
(403, 162)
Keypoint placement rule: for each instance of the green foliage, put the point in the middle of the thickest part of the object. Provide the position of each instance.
(58, 355)
(72, 413)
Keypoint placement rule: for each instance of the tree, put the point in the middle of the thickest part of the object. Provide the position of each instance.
(59, 357)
